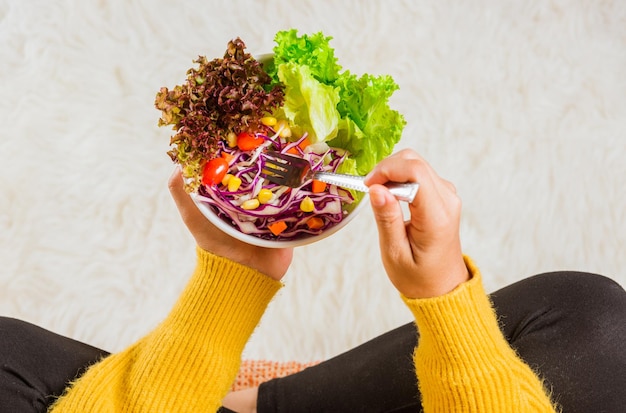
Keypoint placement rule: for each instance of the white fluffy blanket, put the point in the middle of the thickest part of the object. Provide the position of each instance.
(522, 104)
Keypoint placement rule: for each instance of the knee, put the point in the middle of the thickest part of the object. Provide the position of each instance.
(18, 373)
(7, 332)
(587, 284)
(12, 339)
(14, 335)
(595, 295)
(9, 327)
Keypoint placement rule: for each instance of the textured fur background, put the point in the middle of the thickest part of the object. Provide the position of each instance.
(522, 104)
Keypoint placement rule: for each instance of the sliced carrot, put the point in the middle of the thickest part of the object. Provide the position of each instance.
(305, 142)
(315, 223)
(277, 227)
(228, 157)
(294, 150)
(318, 186)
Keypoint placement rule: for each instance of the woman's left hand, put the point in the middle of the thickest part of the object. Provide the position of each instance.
(272, 262)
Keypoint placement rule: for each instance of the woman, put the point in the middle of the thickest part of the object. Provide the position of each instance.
(463, 362)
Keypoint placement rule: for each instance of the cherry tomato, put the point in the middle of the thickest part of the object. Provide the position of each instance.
(214, 171)
(247, 141)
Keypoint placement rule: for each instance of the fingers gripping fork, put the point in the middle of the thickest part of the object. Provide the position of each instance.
(288, 170)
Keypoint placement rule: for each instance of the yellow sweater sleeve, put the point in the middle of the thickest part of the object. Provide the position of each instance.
(463, 362)
(188, 363)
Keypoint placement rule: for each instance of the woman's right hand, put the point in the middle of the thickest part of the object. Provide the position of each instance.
(422, 256)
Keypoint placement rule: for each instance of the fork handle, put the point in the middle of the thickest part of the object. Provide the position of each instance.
(402, 191)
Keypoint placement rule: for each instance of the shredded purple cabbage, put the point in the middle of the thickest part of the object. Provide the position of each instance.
(331, 206)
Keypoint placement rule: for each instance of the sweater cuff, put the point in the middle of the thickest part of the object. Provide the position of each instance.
(463, 315)
(462, 358)
(225, 297)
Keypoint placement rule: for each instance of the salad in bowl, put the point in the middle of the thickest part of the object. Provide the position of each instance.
(298, 101)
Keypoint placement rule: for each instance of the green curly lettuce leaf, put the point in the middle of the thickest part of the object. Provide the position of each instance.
(313, 51)
(370, 128)
(309, 104)
(359, 121)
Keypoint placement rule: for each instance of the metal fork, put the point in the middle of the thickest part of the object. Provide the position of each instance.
(292, 171)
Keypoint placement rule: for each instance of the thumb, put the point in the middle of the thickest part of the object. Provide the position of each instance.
(186, 207)
(389, 219)
(176, 187)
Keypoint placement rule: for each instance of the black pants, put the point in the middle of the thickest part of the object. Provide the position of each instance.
(570, 327)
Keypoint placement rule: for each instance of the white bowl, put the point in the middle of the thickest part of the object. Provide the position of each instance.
(234, 232)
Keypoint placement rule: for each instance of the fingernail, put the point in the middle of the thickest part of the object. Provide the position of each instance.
(377, 199)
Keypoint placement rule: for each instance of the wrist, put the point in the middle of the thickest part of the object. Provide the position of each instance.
(272, 263)
(442, 281)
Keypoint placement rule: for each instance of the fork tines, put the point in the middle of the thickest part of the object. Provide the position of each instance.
(284, 169)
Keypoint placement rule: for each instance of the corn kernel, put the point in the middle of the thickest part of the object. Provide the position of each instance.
(234, 183)
(231, 139)
(265, 196)
(226, 178)
(250, 204)
(307, 205)
(282, 126)
(269, 121)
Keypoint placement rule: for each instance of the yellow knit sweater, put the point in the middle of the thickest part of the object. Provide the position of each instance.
(463, 362)
(188, 363)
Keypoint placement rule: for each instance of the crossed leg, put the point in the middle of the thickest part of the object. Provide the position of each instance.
(570, 327)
